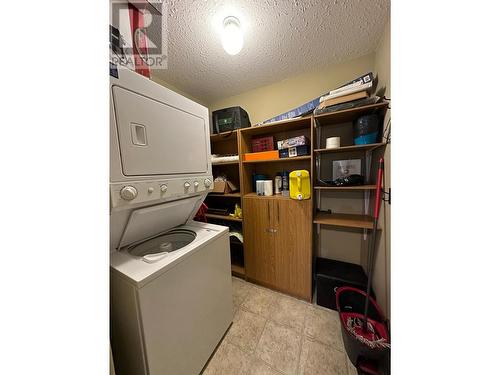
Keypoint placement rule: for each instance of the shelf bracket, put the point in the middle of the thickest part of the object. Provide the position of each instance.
(386, 195)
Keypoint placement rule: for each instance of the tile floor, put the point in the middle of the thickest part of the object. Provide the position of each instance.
(274, 334)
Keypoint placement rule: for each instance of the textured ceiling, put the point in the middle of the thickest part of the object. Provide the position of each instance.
(283, 38)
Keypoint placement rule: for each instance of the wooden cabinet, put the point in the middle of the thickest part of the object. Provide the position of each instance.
(294, 258)
(278, 243)
(259, 241)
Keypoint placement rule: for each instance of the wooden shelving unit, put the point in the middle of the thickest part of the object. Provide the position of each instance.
(236, 162)
(227, 144)
(225, 136)
(340, 124)
(348, 115)
(339, 188)
(369, 147)
(226, 195)
(357, 218)
(254, 195)
(279, 126)
(344, 220)
(238, 270)
(223, 217)
(292, 254)
(281, 160)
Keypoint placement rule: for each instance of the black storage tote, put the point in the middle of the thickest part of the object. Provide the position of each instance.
(333, 274)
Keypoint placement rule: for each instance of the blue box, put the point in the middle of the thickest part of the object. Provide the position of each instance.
(296, 112)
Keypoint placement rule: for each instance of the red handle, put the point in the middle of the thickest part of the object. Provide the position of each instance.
(380, 175)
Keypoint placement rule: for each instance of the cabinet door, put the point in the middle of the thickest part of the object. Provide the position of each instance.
(259, 240)
(293, 247)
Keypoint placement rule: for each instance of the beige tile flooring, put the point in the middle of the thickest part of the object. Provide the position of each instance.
(274, 334)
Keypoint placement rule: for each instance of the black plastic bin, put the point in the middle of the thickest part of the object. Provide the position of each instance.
(333, 274)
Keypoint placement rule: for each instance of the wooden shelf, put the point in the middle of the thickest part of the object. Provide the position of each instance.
(227, 195)
(360, 187)
(348, 115)
(281, 160)
(235, 162)
(278, 126)
(223, 217)
(238, 270)
(369, 147)
(344, 220)
(225, 136)
(278, 196)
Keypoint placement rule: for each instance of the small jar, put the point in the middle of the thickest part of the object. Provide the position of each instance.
(278, 183)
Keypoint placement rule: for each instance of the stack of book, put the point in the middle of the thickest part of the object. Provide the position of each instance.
(357, 89)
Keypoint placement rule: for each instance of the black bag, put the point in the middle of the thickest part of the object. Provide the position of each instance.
(229, 119)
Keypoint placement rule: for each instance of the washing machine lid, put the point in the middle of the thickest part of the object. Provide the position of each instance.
(147, 222)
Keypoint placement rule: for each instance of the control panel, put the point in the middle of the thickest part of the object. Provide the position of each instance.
(131, 193)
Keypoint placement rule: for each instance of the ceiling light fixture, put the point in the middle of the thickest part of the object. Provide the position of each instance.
(232, 36)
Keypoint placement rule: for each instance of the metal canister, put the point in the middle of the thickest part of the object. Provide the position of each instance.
(278, 183)
(285, 184)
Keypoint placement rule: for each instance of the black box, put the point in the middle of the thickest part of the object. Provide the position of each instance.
(228, 119)
(332, 274)
(294, 151)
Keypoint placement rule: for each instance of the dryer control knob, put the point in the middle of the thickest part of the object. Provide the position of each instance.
(128, 193)
(151, 190)
(163, 188)
(207, 182)
(196, 183)
(187, 185)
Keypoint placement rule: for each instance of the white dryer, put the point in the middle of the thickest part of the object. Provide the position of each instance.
(171, 299)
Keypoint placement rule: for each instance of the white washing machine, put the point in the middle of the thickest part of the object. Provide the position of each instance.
(171, 299)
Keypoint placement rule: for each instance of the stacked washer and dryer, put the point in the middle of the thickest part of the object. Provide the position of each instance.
(171, 300)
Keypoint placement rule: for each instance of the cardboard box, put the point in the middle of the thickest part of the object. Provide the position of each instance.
(266, 155)
(296, 112)
(224, 187)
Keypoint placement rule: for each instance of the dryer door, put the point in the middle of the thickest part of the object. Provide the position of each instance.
(158, 139)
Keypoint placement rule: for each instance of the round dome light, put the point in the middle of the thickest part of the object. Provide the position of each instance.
(232, 36)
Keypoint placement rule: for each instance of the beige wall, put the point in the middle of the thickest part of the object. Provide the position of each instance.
(382, 272)
(269, 101)
(383, 60)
